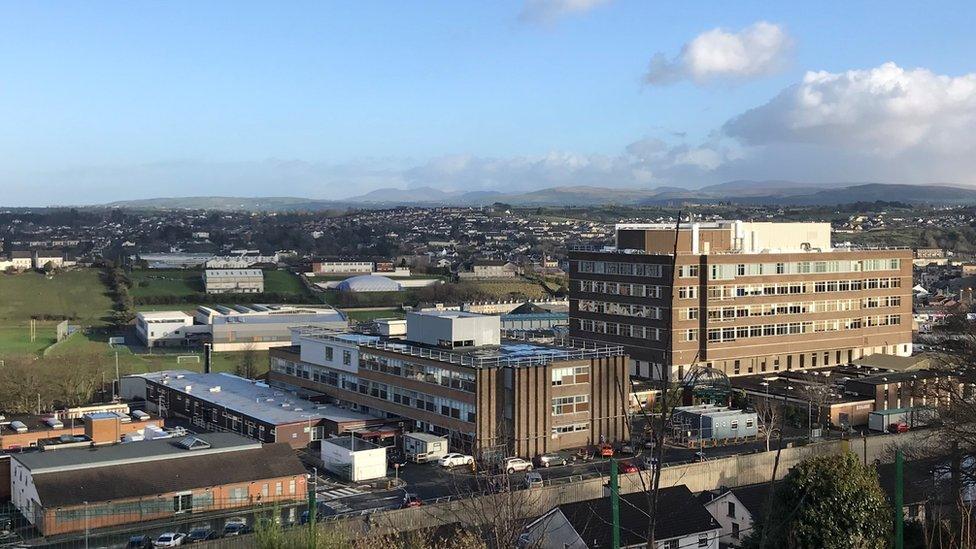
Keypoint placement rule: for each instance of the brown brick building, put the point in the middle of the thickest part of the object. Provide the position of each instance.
(745, 298)
(493, 398)
(71, 490)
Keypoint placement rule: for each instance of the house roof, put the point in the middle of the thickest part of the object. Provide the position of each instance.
(142, 479)
(679, 514)
(753, 497)
(527, 308)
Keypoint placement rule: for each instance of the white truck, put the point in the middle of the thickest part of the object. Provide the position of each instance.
(424, 447)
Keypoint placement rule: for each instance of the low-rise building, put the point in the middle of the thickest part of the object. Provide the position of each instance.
(250, 408)
(79, 489)
(163, 328)
(329, 268)
(453, 375)
(233, 281)
(107, 424)
(707, 422)
(491, 269)
(258, 327)
(353, 458)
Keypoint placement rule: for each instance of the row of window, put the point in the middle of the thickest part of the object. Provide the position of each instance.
(733, 333)
(786, 288)
(732, 270)
(625, 330)
(621, 309)
(462, 381)
(570, 404)
(570, 375)
(622, 269)
(571, 428)
(619, 288)
(723, 314)
(422, 401)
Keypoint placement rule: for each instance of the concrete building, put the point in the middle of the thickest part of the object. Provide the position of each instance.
(163, 328)
(334, 268)
(353, 458)
(491, 269)
(79, 489)
(233, 281)
(250, 408)
(259, 327)
(744, 298)
(495, 399)
(529, 316)
(22, 260)
(43, 257)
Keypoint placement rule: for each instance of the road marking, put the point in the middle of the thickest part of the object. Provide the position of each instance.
(340, 493)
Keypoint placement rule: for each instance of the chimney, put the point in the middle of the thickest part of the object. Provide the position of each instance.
(206, 357)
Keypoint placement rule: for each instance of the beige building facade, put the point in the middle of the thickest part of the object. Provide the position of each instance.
(745, 298)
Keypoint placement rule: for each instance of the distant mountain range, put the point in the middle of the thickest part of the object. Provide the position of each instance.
(739, 192)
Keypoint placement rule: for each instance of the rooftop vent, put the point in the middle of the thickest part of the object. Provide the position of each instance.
(215, 389)
(192, 443)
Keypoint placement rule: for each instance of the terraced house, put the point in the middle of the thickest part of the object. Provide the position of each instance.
(453, 375)
(746, 298)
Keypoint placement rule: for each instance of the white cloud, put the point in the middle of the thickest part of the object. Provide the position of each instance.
(547, 11)
(886, 111)
(759, 49)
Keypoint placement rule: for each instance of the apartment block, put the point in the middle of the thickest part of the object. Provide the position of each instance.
(453, 375)
(743, 297)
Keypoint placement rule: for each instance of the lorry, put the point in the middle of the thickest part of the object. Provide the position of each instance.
(424, 447)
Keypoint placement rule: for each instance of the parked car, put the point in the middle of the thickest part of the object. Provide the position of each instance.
(170, 539)
(627, 467)
(513, 464)
(649, 463)
(411, 500)
(142, 541)
(900, 427)
(201, 533)
(627, 449)
(553, 459)
(606, 450)
(455, 460)
(533, 480)
(236, 528)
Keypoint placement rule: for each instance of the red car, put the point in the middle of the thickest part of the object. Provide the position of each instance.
(411, 500)
(606, 450)
(627, 467)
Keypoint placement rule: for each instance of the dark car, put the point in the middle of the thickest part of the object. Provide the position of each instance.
(201, 533)
(411, 500)
(141, 541)
(236, 529)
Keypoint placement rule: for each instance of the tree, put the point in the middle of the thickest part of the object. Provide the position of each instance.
(247, 365)
(826, 501)
(769, 416)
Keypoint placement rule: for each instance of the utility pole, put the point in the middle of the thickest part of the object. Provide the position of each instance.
(312, 506)
(899, 500)
(118, 379)
(614, 504)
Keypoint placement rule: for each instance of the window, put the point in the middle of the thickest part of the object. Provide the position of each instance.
(278, 488)
(732, 509)
(346, 357)
(570, 404)
(735, 530)
(238, 495)
(291, 487)
(328, 354)
(671, 544)
(703, 540)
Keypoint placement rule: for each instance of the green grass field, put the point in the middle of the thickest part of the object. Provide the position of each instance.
(283, 282)
(94, 344)
(371, 315)
(77, 294)
(154, 282)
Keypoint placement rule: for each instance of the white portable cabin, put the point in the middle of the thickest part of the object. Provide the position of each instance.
(424, 447)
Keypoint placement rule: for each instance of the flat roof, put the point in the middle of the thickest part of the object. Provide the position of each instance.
(448, 314)
(251, 398)
(351, 443)
(164, 315)
(509, 353)
(134, 452)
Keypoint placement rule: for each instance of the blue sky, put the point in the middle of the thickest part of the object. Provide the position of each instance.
(115, 100)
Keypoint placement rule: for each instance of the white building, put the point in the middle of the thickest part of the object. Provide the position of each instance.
(354, 458)
(452, 329)
(233, 281)
(327, 268)
(162, 328)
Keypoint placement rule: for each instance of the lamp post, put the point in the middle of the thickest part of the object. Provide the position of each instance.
(86, 524)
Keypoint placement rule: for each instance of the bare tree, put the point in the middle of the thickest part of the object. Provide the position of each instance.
(769, 416)
(247, 363)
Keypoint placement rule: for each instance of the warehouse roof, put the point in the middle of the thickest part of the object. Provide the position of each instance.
(251, 398)
(121, 454)
(135, 479)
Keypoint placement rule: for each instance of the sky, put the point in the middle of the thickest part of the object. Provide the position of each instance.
(103, 101)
